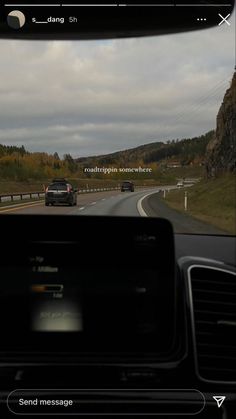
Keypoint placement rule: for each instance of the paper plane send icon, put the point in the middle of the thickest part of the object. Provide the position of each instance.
(219, 400)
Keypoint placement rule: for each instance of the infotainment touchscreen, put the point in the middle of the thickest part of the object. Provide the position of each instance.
(85, 298)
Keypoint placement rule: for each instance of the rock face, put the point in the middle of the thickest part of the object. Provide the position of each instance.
(221, 150)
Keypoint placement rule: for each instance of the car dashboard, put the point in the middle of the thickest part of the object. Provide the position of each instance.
(118, 315)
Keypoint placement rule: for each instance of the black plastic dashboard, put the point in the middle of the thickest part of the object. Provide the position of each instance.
(120, 309)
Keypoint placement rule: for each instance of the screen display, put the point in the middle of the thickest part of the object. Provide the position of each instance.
(123, 311)
(51, 312)
(80, 297)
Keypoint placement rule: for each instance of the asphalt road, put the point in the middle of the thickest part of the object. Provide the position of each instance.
(154, 206)
(97, 203)
(142, 202)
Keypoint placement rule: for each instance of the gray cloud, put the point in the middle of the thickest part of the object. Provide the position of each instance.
(97, 97)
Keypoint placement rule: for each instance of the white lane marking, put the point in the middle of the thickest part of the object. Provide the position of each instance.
(81, 208)
(139, 204)
(104, 199)
(93, 203)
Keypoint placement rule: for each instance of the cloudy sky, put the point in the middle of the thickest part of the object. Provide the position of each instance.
(96, 97)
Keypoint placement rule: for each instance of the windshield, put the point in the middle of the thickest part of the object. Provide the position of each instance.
(159, 111)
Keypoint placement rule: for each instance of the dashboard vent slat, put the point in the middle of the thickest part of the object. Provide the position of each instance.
(213, 297)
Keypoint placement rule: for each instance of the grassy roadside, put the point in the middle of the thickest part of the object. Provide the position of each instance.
(212, 201)
(11, 187)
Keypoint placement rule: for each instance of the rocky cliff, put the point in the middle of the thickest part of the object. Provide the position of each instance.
(221, 150)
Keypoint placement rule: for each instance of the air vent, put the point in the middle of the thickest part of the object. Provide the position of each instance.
(213, 296)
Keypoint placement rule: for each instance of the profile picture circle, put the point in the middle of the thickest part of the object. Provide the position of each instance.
(16, 19)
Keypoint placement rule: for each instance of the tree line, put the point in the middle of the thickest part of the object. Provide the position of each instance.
(20, 165)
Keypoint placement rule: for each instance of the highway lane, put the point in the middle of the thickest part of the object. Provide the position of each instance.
(121, 204)
(95, 203)
(141, 202)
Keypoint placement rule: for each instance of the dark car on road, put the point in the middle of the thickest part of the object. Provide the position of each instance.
(60, 192)
(127, 186)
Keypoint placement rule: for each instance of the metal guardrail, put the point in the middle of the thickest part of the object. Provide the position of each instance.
(20, 196)
(88, 190)
(40, 194)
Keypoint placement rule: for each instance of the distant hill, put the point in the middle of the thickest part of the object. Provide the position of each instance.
(184, 152)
